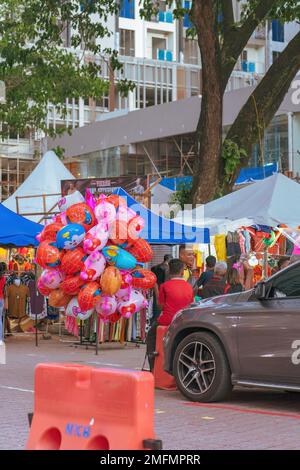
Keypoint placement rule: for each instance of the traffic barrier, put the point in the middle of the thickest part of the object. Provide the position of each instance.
(83, 408)
(162, 379)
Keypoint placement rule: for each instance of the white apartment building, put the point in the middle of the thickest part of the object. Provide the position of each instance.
(163, 63)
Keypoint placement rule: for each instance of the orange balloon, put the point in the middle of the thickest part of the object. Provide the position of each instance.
(58, 298)
(73, 261)
(72, 285)
(116, 200)
(110, 281)
(50, 231)
(143, 279)
(48, 256)
(141, 250)
(81, 214)
(89, 296)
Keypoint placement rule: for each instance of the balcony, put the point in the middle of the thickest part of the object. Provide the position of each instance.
(165, 17)
(250, 67)
(164, 54)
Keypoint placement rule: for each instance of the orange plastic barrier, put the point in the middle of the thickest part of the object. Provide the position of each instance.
(162, 379)
(80, 407)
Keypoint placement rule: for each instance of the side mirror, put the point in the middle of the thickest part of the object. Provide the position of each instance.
(260, 291)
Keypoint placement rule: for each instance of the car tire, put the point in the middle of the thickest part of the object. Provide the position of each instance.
(205, 376)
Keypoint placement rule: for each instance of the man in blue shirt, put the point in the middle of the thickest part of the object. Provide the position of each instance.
(208, 273)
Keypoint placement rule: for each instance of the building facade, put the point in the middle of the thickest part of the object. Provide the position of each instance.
(165, 66)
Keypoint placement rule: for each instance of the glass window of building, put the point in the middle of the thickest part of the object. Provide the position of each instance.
(127, 42)
(158, 44)
(127, 9)
(191, 51)
(277, 31)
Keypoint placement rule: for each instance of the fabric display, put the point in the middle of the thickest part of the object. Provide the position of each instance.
(233, 247)
(220, 247)
(131, 330)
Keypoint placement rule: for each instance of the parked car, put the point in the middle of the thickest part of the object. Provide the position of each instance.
(246, 339)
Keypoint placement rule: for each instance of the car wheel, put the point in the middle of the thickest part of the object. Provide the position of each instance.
(201, 368)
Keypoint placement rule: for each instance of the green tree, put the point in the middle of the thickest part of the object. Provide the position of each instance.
(37, 70)
(221, 39)
(35, 67)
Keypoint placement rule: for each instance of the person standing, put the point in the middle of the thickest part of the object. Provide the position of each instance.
(234, 285)
(161, 272)
(3, 268)
(208, 273)
(216, 285)
(187, 256)
(174, 295)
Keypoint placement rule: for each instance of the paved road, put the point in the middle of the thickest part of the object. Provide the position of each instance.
(251, 419)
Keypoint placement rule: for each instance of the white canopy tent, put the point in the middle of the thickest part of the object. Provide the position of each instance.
(271, 202)
(44, 180)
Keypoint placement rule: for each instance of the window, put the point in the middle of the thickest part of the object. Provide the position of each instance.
(191, 51)
(186, 19)
(277, 31)
(287, 284)
(127, 9)
(127, 46)
(159, 45)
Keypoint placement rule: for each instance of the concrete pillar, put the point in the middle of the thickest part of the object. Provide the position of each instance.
(296, 143)
(291, 141)
(81, 112)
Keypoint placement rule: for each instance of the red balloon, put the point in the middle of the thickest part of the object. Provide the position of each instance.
(143, 279)
(72, 285)
(50, 231)
(89, 296)
(141, 250)
(48, 256)
(73, 261)
(81, 214)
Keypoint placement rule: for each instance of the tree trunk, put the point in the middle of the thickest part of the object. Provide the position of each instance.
(261, 107)
(209, 129)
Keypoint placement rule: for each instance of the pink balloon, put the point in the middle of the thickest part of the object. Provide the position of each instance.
(52, 278)
(105, 211)
(96, 238)
(94, 266)
(135, 303)
(107, 305)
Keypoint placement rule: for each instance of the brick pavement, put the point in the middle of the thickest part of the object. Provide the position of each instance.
(178, 424)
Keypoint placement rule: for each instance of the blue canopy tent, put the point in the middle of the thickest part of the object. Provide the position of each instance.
(15, 230)
(159, 230)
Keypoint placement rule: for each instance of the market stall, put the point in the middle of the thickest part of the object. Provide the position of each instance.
(17, 241)
(250, 221)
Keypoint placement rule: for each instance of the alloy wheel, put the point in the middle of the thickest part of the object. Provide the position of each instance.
(196, 367)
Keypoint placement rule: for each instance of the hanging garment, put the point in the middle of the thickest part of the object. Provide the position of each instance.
(232, 245)
(220, 247)
(247, 237)
(17, 300)
(242, 242)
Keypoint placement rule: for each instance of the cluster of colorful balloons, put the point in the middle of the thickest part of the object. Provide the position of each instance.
(92, 258)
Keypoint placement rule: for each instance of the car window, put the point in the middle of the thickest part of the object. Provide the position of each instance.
(287, 285)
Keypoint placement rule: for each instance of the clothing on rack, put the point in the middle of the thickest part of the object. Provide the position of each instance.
(220, 247)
